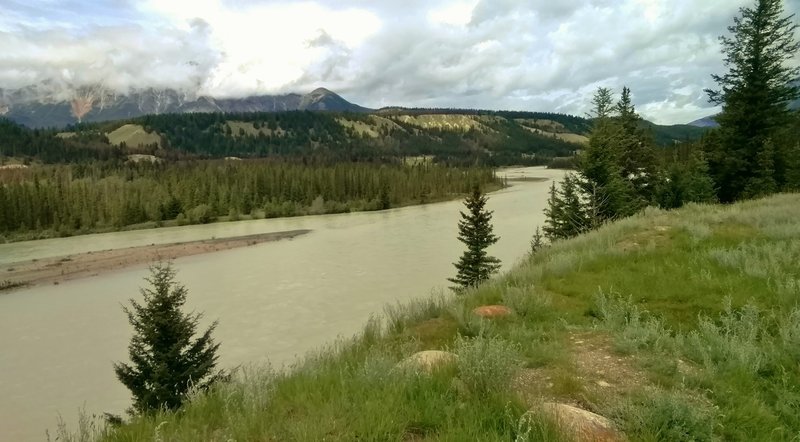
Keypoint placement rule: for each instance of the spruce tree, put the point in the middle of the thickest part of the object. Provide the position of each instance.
(575, 219)
(554, 215)
(566, 214)
(754, 94)
(600, 165)
(686, 181)
(537, 241)
(792, 159)
(166, 359)
(475, 230)
(636, 156)
(763, 181)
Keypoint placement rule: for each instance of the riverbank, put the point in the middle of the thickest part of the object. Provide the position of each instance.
(669, 325)
(59, 269)
(256, 215)
(101, 198)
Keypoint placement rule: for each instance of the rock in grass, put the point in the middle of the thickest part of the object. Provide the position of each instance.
(581, 425)
(428, 360)
(492, 311)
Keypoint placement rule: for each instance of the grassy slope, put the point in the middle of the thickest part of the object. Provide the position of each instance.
(133, 135)
(676, 325)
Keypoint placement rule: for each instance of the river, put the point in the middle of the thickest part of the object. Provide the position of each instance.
(274, 301)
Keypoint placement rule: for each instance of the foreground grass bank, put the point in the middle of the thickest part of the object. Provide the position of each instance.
(679, 325)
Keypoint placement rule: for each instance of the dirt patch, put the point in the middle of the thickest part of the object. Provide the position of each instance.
(600, 367)
(595, 371)
(64, 268)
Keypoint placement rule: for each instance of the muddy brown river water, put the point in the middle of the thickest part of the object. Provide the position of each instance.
(274, 301)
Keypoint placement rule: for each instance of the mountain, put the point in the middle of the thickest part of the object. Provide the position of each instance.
(704, 122)
(710, 122)
(36, 107)
(676, 133)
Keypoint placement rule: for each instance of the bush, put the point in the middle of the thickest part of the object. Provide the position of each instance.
(202, 214)
(563, 163)
(526, 303)
(636, 328)
(486, 364)
(666, 416)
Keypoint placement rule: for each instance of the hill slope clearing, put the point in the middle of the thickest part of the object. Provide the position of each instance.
(133, 135)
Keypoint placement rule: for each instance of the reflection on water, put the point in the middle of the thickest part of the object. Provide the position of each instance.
(274, 301)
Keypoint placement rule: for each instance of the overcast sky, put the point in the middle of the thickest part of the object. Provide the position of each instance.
(544, 55)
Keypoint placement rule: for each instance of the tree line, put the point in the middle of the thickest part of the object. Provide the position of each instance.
(80, 198)
(754, 152)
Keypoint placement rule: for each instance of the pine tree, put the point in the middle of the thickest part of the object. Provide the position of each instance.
(566, 213)
(686, 181)
(166, 360)
(788, 155)
(699, 185)
(763, 181)
(554, 215)
(754, 94)
(475, 230)
(636, 156)
(575, 219)
(602, 104)
(537, 241)
(600, 163)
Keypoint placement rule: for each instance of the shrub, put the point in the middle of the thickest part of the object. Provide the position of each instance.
(526, 302)
(666, 416)
(202, 214)
(486, 364)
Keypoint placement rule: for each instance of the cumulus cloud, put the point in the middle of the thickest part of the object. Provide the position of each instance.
(117, 58)
(497, 54)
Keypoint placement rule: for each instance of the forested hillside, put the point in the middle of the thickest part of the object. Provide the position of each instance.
(455, 139)
(459, 137)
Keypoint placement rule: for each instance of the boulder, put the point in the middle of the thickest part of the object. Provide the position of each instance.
(428, 360)
(581, 425)
(492, 311)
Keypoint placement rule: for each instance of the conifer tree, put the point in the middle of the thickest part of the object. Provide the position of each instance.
(554, 215)
(566, 213)
(636, 156)
(600, 164)
(763, 181)
(166, 359)
(792, 157)
(537, 241)
(686, 181)
(754, 94)
(475, 230)
(575, 219)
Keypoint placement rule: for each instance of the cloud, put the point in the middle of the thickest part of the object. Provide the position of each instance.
(116, 58)
(497, 54)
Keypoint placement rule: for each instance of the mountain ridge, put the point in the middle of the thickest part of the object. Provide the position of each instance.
(35, 109)
(710, 122)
